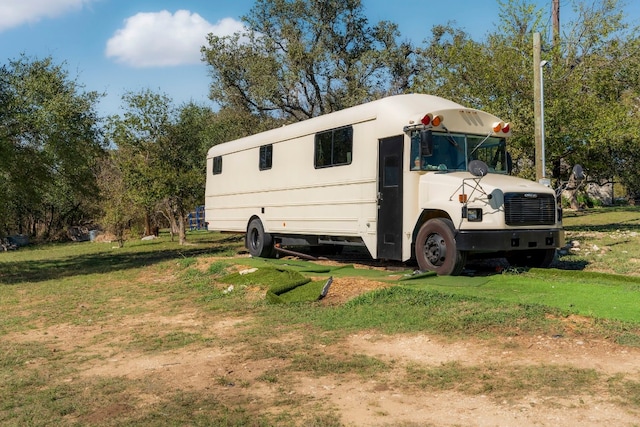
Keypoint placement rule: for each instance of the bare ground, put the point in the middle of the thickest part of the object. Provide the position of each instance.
(228, 372)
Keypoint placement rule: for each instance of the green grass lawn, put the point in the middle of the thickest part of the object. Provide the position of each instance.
(590, 294)
(598, 295)
(106, 293)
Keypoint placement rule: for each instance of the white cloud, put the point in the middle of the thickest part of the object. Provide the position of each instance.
(161, 39)
(14, 13)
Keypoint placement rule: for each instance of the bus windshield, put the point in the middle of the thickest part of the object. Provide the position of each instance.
(453, 152)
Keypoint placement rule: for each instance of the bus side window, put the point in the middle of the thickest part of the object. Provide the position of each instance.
(333, 147)
(342, 146)
(266, 157)
(217, 165)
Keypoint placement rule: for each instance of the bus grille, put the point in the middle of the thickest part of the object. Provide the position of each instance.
(529, 209)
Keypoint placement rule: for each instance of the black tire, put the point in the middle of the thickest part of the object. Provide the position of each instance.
(436, 250)
(532, 258)
(259, 243)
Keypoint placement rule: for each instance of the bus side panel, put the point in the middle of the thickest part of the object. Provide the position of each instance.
(294, 197)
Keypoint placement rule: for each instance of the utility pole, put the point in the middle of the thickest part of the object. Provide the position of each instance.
(555, 17)
(537, 107)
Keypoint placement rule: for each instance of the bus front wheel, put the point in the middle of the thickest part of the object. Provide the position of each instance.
(259, 243)
(436, 250)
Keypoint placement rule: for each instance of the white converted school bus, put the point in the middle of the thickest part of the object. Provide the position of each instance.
(408, 176)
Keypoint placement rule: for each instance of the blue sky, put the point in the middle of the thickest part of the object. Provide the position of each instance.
(114, 46)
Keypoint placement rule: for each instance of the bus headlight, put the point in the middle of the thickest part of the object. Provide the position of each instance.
(472, 214)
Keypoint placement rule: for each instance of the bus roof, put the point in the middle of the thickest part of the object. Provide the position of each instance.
(400, 109)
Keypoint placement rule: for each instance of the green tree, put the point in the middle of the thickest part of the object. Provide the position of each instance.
(230, 123)
(591, 89)
(146, 120)
(180, 157)
(118, 208)
(494, 74)
(591, 92)
(161, 155)
(302, 58)
(50, 142)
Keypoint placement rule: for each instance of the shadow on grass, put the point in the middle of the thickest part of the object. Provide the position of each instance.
(564, 264)
(102, 262)
(604, 219)
(605, 228)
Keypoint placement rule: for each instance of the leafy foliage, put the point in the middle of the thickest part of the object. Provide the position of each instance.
(50, 142)
(302, 58)
(118, 207)
(591, 89)
(298, 59)
(161, 152)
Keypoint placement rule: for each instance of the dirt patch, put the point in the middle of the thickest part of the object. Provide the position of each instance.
(593, 354)
(383, 400)
(344, 289)
(225, 366)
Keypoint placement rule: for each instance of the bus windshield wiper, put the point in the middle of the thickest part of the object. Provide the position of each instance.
(478, 146)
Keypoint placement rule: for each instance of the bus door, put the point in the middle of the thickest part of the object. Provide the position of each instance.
(390, 198)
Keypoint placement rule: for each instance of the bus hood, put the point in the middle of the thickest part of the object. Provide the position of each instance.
(449, 185)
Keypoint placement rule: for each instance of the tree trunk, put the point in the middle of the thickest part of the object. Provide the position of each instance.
(179, 215)
(175, 213)
(573, 200)
(173, 226)
(168, 212)
(147, 223)
(572, 189)
(119, 232)
(182, 233)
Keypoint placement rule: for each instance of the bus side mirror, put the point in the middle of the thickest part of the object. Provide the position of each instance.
(426, 143)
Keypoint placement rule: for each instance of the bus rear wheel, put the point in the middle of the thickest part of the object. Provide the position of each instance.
(436, 250)
(259, 243)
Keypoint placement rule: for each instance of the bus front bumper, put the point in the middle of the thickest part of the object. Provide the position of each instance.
(508, 240)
